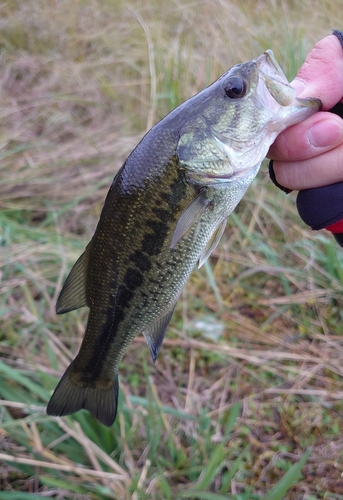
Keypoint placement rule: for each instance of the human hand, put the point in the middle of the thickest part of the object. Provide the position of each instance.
(310, 154)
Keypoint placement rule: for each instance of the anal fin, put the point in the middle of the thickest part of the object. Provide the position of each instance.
(213, 242)
(154, 333)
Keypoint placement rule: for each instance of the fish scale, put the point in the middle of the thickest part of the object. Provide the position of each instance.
(165, 211)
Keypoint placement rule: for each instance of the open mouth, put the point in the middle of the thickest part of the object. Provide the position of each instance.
(278, 85)
(276, 80)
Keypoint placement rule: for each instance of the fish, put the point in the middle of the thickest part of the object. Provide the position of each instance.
(166, 211)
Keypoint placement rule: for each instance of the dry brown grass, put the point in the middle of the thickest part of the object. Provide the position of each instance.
(80, 82)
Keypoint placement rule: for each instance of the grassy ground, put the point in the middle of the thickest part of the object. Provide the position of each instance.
(250, 373)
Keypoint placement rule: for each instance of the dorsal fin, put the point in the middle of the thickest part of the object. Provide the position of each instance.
(213, 242)
(154, 333)
(73, 293)
(190, 216)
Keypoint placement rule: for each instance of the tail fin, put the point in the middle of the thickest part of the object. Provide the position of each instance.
(70, 397)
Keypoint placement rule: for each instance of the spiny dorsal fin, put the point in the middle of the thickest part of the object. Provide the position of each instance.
(190, 216)
(155, 332)
(213, 242)
(73, 293)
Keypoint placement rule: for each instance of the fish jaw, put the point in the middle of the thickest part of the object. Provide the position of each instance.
(274, 88)
(275, 79)
(234, 134)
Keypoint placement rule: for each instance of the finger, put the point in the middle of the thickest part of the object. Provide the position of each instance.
(314, 136)
(319, 171)
(321, 75)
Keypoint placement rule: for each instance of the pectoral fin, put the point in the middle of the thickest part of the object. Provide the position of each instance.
(155, 332)
(213, 242)
(73, 293)
(190, 216)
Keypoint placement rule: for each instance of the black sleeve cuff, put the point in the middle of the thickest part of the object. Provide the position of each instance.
(321, 207)
(339, 35)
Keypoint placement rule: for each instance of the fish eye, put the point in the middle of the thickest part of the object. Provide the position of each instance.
(235, 87)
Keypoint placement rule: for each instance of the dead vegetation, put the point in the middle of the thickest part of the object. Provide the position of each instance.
(80, 83)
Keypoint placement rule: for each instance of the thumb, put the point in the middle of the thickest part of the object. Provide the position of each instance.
(321, 75)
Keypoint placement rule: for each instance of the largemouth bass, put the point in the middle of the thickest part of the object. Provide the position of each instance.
(165, 211)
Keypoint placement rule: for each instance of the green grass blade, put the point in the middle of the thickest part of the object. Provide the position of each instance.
(20, 495)
(290, 478)
(211, 468)
(16, 376)
(205, 495)
(235, 467)
(234, 412)
(213, 284)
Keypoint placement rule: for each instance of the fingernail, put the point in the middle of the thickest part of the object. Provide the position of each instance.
(273, 178)
(325, 133)
(298, 85)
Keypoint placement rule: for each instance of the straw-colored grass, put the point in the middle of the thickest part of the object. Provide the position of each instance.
(250, 374)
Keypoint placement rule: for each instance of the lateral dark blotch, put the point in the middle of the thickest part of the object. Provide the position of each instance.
(164, 197)
(159, 228)
(162, 214)
(108, 334)
(112, 300)
(140, 260)
(156, 240)
(149, 245)
(180, 191)
(124, 294)
(133, 278)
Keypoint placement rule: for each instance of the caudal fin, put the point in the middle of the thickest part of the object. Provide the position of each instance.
(70, 397)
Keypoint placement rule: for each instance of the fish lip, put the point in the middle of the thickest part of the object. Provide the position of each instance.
(309, 102)
(275, 79)
(269, 56)
(278, 84)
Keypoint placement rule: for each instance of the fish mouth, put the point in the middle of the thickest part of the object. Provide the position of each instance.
(278, 85)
